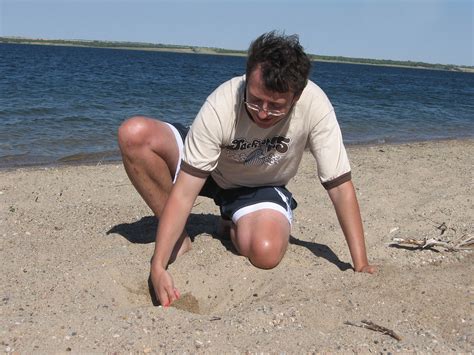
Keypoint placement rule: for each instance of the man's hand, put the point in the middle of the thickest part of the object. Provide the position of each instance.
(369, 269)
(163, 286)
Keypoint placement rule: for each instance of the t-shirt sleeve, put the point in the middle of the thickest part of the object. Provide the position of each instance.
(202, 146)
(328, 149)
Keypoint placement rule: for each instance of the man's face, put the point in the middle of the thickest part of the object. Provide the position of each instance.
(265, 102)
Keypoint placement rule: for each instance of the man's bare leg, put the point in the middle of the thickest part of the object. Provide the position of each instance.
(150, 156)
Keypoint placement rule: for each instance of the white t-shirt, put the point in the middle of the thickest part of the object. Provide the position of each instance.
(225, 142)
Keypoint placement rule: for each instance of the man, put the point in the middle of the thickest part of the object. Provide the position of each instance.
(244, 146)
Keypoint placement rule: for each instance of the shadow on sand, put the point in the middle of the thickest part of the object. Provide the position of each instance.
(322, 251)
(143, 231)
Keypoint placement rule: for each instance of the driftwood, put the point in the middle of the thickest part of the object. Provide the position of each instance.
(430, 242)
(375, 327)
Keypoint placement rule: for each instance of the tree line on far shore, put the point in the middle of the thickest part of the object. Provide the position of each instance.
(212, 50)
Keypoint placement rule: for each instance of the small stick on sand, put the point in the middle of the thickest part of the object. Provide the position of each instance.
(429, 243)
(442, 227)
(466, 242)
(375, 327)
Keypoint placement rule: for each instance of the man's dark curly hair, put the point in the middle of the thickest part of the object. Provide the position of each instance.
(285, 66)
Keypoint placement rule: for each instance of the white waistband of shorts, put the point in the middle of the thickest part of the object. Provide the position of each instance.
(261, 206)
(179, 142)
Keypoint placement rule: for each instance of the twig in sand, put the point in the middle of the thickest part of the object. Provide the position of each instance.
(427, 242)
(442, 227)
(466, 242)
(432, 242)
(375, 327)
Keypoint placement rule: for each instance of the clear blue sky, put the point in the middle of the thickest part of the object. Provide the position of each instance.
(434, 31)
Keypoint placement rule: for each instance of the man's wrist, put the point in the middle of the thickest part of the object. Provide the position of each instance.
(360, 267)
(156, 264)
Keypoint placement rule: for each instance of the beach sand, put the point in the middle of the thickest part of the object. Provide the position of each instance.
(76, 243)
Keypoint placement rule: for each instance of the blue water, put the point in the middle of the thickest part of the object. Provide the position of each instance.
(63, 104)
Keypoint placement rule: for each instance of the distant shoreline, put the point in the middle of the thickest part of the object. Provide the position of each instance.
(227, 52)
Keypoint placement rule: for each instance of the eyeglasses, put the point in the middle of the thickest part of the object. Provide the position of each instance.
(257, 108)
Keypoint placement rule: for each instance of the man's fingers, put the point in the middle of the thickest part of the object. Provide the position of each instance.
(164, 288)
(163, 297)
(370, 269)
(168, 296)
(172, 296)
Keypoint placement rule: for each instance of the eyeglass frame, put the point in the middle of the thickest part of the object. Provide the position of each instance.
(274, 113)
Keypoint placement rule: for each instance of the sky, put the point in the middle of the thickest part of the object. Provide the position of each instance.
(432, 31)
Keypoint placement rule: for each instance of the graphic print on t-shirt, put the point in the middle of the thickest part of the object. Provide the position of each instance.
(266, 151)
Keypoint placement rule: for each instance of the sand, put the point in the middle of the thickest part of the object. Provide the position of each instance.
(76, 242)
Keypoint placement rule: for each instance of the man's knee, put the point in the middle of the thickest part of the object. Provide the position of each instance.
(267, 251)
(133, 132)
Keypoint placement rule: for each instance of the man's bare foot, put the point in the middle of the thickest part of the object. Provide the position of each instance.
(182, 246)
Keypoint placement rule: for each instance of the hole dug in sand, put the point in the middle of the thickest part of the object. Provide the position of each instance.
(187, 302)
(206, 295)
(221, 294)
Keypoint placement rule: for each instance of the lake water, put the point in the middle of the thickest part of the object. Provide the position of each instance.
(64, 104)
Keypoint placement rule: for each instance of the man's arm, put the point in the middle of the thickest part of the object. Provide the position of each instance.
(345, 203)
(171, 225)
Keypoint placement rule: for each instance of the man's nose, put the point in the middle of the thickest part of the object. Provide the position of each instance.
(262, 114)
